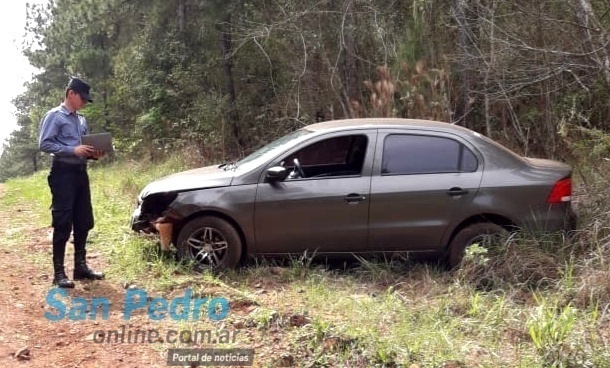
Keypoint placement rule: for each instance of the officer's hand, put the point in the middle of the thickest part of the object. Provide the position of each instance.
(97, 154)
(84, 150)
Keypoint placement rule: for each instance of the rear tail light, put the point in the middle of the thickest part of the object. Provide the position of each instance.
(561, 192)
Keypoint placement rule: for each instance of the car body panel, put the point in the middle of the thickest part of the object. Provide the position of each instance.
(233, 202)
(320, 205)
(413, 212)
(205, 177)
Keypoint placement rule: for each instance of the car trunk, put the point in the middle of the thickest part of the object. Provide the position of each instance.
(541, 163)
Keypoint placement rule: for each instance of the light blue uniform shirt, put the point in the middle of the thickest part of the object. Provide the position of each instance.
(60, 133)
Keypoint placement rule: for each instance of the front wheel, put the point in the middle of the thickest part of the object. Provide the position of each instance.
(210, 242)
(482, 233)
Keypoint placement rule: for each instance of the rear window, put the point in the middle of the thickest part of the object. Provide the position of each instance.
(405, 154)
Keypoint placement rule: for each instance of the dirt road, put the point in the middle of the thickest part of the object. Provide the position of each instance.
(27, 338)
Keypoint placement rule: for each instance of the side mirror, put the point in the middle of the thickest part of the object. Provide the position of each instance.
(276, 173)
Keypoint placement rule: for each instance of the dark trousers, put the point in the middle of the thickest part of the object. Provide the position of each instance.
(70, 208)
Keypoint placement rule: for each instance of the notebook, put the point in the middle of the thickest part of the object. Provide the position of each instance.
(99, 141)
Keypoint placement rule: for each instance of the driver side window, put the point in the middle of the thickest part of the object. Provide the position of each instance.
(337, 156)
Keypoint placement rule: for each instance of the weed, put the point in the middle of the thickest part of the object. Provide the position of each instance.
(521, 261)
(549, 328)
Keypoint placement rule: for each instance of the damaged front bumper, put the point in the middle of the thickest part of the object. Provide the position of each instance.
(155, 224)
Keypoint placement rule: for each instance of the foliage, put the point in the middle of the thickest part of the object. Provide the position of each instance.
(218, 79)
(549, 328)
(417, 93)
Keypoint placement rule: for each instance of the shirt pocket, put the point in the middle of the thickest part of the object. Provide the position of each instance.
(68, 133)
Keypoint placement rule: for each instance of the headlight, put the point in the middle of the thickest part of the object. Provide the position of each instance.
(156, 204)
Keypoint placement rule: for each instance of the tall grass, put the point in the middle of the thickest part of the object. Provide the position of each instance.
(531, 302)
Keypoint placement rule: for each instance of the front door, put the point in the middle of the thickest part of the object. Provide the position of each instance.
(324, 211)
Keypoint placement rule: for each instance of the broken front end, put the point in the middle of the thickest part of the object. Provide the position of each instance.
(154, 216)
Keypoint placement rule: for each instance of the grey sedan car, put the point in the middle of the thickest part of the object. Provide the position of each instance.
(357, 187)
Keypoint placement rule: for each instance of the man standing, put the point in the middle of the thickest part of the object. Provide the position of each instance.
(60, 135)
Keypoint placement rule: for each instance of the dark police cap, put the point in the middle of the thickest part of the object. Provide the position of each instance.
(79, 86)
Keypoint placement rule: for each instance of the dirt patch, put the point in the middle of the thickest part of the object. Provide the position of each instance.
(29, 339)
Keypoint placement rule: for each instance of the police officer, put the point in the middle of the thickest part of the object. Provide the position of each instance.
(60, 135)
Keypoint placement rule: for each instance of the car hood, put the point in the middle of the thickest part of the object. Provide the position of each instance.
(201, 178)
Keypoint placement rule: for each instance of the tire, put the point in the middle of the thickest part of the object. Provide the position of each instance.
(210, 242)
(481, 232)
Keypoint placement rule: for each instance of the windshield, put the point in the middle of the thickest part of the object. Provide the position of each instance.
(273, 146)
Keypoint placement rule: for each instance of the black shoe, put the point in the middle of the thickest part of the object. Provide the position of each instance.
(83, 272)
(62, 281)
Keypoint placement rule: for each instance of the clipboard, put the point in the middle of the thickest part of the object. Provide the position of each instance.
(99, 141)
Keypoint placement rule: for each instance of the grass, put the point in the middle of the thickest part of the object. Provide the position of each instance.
(534, 302)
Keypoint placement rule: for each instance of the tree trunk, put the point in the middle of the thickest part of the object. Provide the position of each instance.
(181, 12)
(488, 70)
(35, 160)
(466, 44)
(350, 66)
(226, 47)
(595, 38)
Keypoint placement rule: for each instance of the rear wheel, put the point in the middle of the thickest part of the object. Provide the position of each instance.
(210, 242)
(482, 233)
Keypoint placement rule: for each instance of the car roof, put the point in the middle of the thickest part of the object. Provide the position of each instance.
(478, 139)
(385, 123)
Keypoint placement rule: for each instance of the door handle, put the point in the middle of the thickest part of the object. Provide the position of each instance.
(354, 198)
(456, 191)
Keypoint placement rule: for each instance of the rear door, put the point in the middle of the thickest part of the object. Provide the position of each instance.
(421, 183)
(325, 211)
